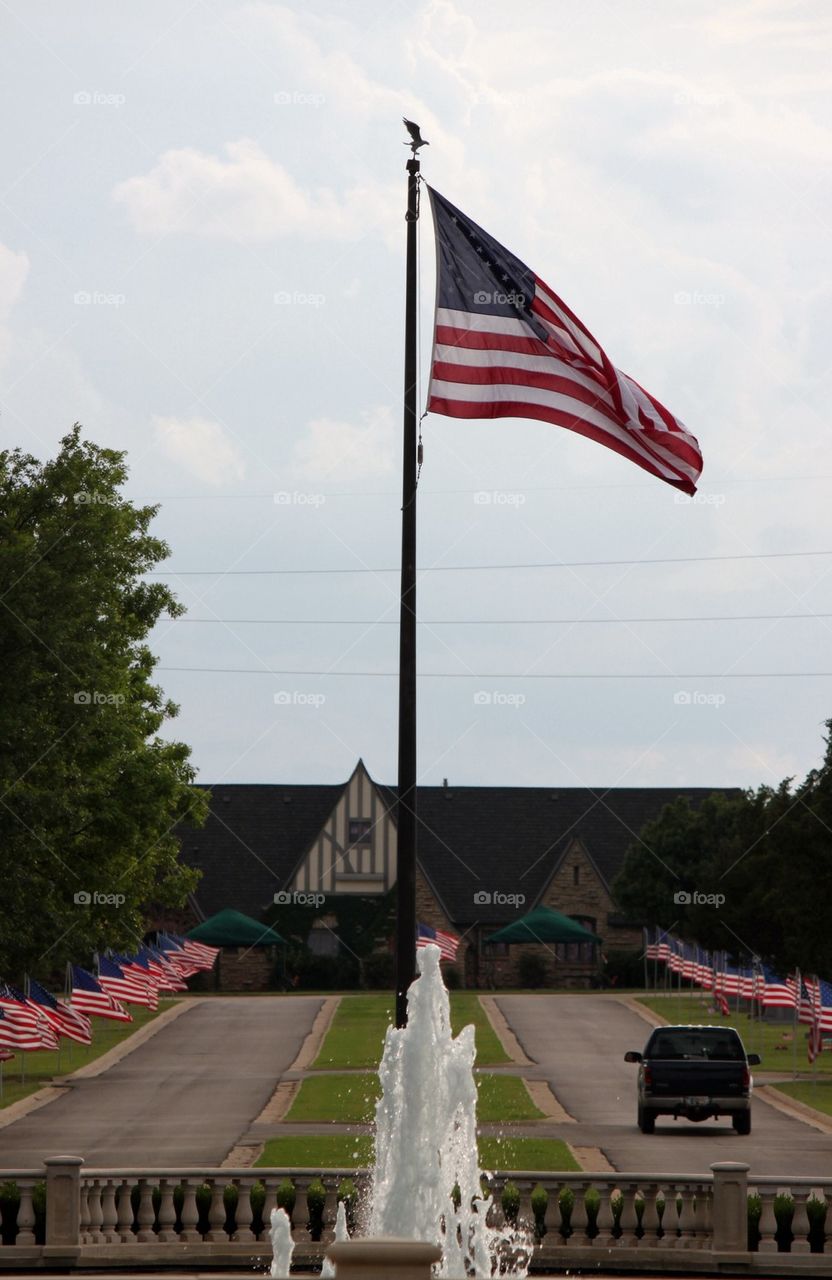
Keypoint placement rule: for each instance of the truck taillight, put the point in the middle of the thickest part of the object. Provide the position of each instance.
(648, 1076)
(746, 1078)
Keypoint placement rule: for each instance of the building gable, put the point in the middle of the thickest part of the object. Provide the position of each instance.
(355, 849)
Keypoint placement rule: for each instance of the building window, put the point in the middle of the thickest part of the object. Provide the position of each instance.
(576, 875)
(360, 831)
(495, 950)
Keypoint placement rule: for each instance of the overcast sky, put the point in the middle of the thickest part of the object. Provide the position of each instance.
(202, 260)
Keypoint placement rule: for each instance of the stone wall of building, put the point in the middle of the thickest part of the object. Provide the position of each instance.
(245, 968)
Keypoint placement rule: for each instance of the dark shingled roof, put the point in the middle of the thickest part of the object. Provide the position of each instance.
(502, 840)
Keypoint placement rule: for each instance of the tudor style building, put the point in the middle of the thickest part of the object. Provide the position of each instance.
(486, 855)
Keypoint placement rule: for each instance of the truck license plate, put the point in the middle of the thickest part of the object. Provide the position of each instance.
(697, 1102)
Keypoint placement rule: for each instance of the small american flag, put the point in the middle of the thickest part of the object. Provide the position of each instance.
(202, 955)
(24, 1026)
(446, 942)
(124, 985)
(91, 998)
(506, 346)
(64, 1020)
(777, 994)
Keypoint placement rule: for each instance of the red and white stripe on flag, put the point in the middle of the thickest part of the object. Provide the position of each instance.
(506, 346)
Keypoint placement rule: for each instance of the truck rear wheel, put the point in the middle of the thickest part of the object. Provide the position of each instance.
(646, 1122)
(742, 1122)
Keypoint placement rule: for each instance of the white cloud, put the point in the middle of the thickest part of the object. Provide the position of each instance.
(200, 447)
(248, 197)
(333, 450)
(14, 268)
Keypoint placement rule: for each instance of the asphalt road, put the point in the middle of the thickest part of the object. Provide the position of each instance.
(182, 1098)
(579, 1043)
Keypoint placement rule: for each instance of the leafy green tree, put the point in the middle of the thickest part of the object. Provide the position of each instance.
(767, 852)
(89, 793)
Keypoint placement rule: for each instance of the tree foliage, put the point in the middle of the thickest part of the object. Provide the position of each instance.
(767, 852)
(89, 793)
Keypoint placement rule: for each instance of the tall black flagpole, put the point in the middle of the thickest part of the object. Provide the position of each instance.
(406, 811)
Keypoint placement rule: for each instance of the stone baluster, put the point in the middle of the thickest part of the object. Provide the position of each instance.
(124, 1212)
(25, 1214)
(525, 1212)
(216, 1213)
(650, 1224)
(96, 1212)
(495, 1217)
(84, 1225)
(687, 1217)
(190, 1233)
(269, 1202)
(670, 1217)
(145, 1216)
(553, 1218)
(579, 1219)
(300, 1212)
(604, 1219)
(330, 1208)
(704, 1213)
(800, 1221)
(768, 1220)
(244, 1212)
(109, 1235)
(629, 1218)
(167, 1212)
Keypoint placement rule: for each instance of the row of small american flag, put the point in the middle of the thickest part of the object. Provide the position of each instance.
(35, 1019)
(809, 996)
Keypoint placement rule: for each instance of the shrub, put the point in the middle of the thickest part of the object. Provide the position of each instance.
(380, 971)
(531, 970)
(453, 978)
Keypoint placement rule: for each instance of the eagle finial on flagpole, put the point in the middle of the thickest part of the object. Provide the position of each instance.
(416, 139)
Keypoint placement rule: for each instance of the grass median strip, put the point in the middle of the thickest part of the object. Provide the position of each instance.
(778, 1044)
(811, 1093)
(356, 1036)
(44, 1066)
(340, 1151)
(351, 1099)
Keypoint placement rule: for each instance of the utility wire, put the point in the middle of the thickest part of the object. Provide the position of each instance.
(519, 675)
(474, 568)
(495, 622)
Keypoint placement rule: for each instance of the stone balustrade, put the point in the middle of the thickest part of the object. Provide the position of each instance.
(71, 1216)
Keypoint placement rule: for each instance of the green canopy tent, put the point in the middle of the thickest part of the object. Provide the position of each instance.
(544, 925)
(231, 928)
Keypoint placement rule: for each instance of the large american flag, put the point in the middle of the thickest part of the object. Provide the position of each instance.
(446, 942)
(506, 346)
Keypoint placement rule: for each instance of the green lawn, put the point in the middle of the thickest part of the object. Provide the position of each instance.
(41, 1068)
(539, 1155)
(466, 1008)
(341, 1152)
(351, 1099)
(356, 1036)
(817, 1095)
(756, 1036)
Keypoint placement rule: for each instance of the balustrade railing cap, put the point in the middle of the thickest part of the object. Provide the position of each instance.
(730, 1166)
(72, 1160)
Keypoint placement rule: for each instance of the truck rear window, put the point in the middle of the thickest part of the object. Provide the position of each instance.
(720, 1046)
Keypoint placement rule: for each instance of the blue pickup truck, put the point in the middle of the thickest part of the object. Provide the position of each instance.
(695, 1072)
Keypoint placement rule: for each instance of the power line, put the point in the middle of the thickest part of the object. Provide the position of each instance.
(473, 568)
(519, 675)
(498, 622)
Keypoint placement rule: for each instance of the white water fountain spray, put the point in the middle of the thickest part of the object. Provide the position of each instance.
(426, 1182)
